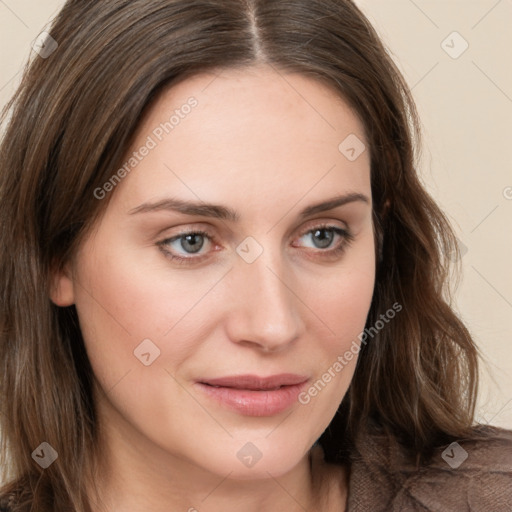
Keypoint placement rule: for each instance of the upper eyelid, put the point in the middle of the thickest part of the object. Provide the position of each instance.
(310, 224)
(322, 224)
(303, 231)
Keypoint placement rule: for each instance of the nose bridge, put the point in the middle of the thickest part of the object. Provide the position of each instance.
(267, 313)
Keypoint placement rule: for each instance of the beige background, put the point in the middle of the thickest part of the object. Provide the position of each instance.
(466, 108)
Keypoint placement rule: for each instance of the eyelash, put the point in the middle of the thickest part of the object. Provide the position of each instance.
(347, 239)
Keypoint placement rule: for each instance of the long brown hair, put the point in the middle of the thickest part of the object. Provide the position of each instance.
(68, 127)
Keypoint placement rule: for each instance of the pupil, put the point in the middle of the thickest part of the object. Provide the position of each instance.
(324, 241)
(190, 242)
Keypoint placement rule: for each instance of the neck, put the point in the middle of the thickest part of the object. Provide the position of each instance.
(139, 484)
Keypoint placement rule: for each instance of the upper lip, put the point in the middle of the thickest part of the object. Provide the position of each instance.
(254, 382)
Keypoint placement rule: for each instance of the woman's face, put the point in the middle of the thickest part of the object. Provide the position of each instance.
(256, 162)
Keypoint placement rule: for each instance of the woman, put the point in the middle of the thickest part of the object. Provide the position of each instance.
(225, 286)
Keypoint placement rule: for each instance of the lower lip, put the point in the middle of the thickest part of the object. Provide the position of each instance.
(255, 403)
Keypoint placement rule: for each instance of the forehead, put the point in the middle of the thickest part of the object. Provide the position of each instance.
(257, 132)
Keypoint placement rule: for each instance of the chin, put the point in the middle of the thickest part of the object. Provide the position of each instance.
(260, 458)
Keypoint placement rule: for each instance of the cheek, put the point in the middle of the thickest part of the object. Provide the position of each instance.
(123, 314)
(342, 302)
(119, 306)
(343, 298)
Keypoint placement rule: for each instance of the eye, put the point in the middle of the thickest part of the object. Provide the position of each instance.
(191, 243)
(324, 237)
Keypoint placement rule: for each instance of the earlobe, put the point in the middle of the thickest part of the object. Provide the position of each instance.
(62, 288)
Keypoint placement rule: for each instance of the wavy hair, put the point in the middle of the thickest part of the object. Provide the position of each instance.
(69, 125)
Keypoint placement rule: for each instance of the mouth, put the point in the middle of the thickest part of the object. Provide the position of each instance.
(252, 395)
(255, 383)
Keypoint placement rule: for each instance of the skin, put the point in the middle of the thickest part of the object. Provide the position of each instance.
(266, 145)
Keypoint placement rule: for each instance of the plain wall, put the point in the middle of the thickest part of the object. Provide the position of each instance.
(465, 103)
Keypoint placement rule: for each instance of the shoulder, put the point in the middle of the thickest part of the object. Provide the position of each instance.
(472, 475)
(15, 496)
(5, 502)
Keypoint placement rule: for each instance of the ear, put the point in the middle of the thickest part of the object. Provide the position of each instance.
(62, 291)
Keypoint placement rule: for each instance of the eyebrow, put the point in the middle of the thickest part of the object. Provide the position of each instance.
(224, 213)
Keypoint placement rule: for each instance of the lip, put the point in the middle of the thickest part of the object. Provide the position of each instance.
(252, 395)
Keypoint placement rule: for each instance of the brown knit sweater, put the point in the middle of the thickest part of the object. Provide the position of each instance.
(469, 476)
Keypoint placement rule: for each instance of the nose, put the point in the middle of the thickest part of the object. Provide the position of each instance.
(264, 312)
